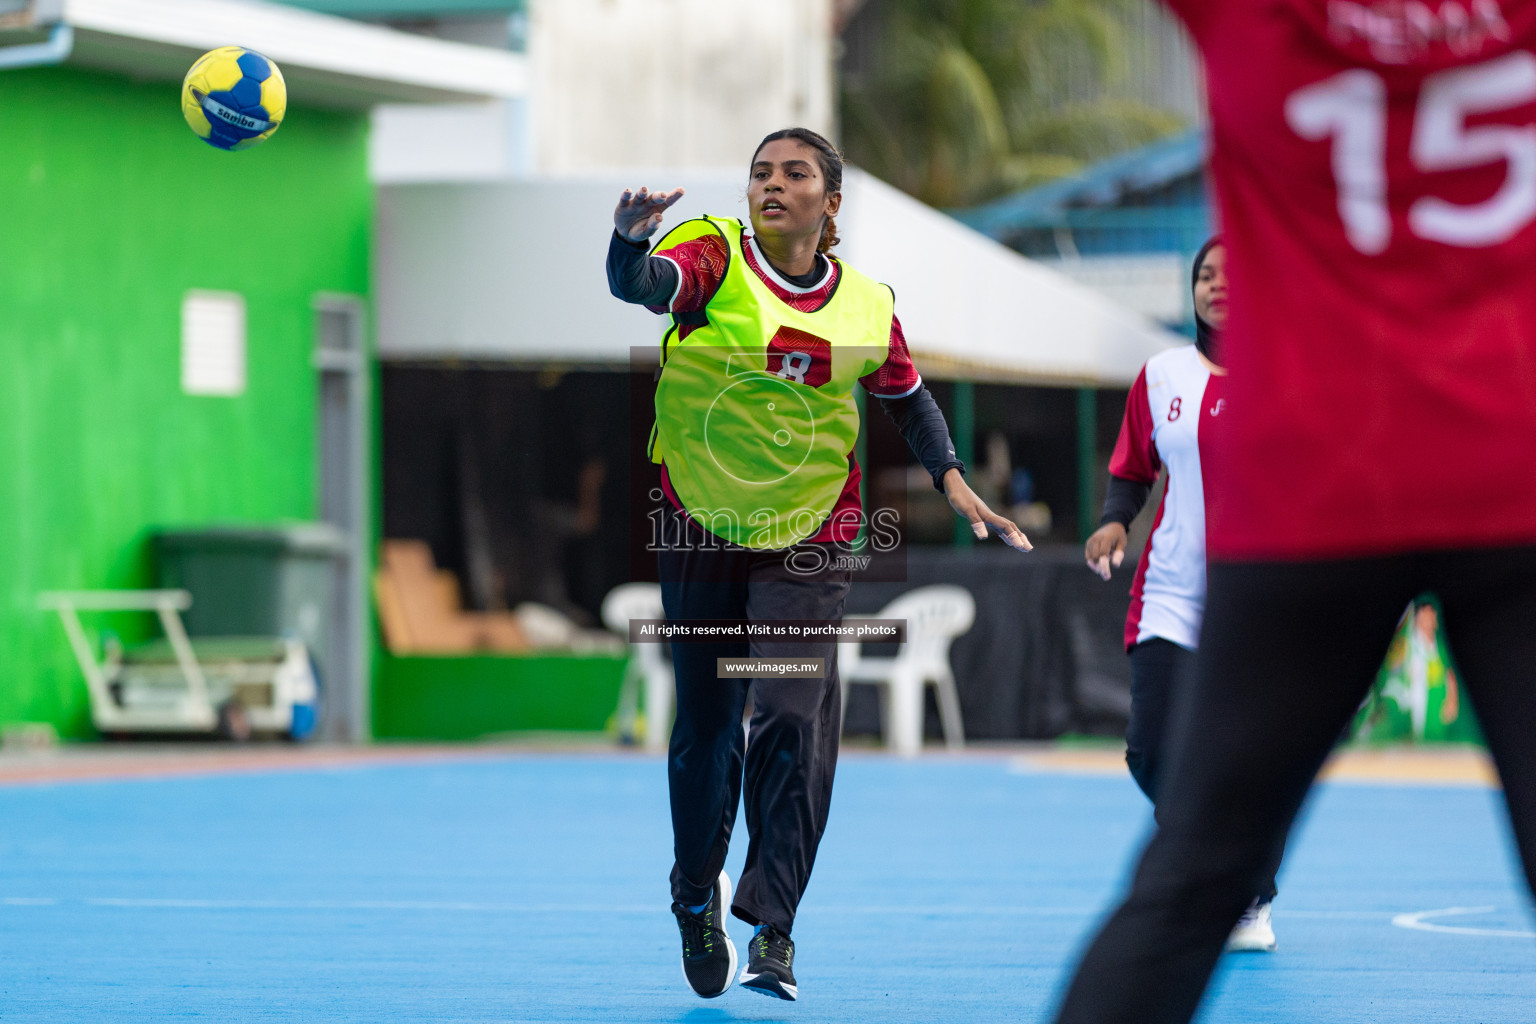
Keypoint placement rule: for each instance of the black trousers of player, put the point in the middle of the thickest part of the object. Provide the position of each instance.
(1287, 652)
(789, 758)
(1161, 672)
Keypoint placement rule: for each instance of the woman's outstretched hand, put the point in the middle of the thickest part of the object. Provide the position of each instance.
(964, 501)
(1105, 549)
(638, 214)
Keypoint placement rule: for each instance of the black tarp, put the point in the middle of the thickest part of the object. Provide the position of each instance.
(1046, 655)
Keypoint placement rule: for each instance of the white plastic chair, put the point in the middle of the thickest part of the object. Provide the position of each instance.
(935, 616)
(647, 664)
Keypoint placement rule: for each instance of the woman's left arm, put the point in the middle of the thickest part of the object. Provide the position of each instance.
(921, 423)
(968, 504)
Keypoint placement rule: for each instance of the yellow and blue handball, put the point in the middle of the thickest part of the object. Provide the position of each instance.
(234, 98)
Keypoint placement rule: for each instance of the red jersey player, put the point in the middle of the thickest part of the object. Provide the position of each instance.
(1376, 167)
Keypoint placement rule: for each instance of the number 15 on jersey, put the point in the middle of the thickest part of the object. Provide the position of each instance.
(1350, 110)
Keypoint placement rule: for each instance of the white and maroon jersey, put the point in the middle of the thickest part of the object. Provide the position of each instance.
(1375, 162)
(1174, 409)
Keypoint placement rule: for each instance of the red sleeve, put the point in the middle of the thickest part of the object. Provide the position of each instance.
(897, 376)
(1193, 13)
(701, 264)
(1135, 456)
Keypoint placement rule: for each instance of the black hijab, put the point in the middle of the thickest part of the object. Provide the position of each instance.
(1205, 334)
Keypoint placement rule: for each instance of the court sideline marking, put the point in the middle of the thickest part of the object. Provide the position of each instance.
(1416, 920)
(1420, 921)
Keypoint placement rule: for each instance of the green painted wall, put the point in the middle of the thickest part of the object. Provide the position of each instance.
(465, 698)
(110, 210)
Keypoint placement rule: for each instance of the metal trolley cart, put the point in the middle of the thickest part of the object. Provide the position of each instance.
(231, 686)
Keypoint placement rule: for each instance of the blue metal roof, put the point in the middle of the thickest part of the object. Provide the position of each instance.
(1103, 184)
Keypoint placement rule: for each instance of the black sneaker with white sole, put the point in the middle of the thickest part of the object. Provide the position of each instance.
(709, 958)
(770, 963)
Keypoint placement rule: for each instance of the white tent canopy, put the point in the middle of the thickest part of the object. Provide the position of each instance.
(513, 271)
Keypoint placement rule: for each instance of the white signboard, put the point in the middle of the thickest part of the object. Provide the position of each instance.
(213, 343)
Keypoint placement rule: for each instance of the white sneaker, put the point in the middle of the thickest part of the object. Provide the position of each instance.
(1254, 932)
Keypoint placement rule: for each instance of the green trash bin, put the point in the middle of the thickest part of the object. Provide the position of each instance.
(268, 581)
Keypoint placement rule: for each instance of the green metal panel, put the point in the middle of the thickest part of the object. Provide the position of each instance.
(422, 698)
(113, 210)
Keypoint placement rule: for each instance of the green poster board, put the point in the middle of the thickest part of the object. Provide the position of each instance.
(1417, 696)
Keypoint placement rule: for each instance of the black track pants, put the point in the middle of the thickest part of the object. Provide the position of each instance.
(788, 763)
(1161, 672)
(1287, 653)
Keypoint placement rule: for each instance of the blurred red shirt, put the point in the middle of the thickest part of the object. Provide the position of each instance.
(1375, 164)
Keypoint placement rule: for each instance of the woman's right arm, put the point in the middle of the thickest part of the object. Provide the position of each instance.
(632, 274)
(1133, 470)
(1123, 500)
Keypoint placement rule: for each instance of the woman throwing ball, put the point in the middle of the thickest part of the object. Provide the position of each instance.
(755, 428)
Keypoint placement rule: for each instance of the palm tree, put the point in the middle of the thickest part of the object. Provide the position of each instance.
(958, 101)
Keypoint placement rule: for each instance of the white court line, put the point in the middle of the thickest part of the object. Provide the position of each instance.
(951, 910)
(433, 905)
(1420, 921)
(936, 910)
(944, 910)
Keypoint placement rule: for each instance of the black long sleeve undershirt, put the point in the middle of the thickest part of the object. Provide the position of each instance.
(1123, 500)
(635, 277)
(922, 425)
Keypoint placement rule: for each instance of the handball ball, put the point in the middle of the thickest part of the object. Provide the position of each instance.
(234, 98)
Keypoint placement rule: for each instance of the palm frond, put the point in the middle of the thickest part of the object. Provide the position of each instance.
(971, 98)
(1092, 131)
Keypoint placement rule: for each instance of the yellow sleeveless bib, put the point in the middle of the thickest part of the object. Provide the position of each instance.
(755, 416)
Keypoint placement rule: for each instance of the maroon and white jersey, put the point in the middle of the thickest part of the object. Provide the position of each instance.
(1174, 410)
(1375, 162)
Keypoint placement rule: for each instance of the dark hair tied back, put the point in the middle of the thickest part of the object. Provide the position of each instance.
(831, 162)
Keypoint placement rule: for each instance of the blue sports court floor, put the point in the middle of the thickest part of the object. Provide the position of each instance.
(522, 887)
